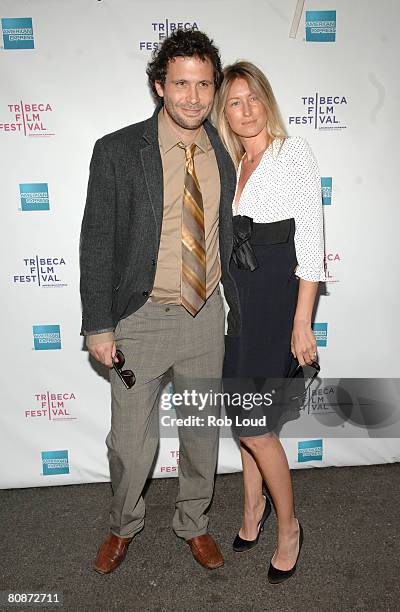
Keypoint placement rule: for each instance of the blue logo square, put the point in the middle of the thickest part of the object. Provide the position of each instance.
(326, 188)
(167, 398)
(309, 450)
(320, 26)
(55, 462)
(321, 333)
(34, 196)
(18, 33)
(46, 337)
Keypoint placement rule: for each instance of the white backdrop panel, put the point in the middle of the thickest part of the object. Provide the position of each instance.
(87, 73)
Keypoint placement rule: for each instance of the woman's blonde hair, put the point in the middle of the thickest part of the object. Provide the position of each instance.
(258, 83)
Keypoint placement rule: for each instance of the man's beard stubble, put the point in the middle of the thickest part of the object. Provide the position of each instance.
(183, 122)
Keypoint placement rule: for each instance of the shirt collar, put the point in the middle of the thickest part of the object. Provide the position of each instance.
(277, 144)
(169, 139)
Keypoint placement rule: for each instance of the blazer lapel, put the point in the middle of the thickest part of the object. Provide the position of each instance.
(225, 167)
(227, 178)
(152, 169)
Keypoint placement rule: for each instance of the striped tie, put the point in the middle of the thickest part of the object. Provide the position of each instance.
(193, 278)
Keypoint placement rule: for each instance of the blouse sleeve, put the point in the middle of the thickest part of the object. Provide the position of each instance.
(307, 212)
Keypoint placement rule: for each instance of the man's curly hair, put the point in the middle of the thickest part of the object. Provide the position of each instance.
(183, 43)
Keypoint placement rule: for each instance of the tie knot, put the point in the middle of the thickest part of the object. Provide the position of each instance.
(189, 151)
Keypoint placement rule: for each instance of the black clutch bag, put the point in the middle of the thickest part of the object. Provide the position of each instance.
(299, 384)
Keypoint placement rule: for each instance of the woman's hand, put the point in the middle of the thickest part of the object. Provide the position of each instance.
(303, 344)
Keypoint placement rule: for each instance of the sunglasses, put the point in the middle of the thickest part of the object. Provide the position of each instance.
(297, 371)
(127, 376)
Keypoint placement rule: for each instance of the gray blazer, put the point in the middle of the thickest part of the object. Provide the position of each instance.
(121, 225)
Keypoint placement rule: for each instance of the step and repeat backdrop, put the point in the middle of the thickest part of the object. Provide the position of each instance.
(72, 71)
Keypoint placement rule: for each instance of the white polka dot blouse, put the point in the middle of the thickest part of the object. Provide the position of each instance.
(286, 183)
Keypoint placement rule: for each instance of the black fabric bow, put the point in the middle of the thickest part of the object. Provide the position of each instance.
(243, 254)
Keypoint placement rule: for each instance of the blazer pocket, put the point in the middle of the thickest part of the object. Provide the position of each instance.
(115, 293)
(117, 286)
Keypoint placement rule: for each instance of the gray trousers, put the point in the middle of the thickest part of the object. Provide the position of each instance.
(155, 339)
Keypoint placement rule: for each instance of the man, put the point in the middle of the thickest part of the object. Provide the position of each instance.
(156, 239)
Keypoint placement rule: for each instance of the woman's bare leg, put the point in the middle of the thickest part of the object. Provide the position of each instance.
(270, 458)
(254, 502)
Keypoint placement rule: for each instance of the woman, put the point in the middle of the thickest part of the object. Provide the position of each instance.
(277, 264)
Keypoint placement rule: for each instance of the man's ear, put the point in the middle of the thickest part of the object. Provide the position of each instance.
(159, 88)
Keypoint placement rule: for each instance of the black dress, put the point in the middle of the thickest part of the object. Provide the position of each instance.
(259, 360)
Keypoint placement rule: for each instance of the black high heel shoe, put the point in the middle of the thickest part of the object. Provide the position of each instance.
(275, 575)
(240, 545)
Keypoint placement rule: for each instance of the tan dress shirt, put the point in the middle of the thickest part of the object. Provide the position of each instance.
(167, 283)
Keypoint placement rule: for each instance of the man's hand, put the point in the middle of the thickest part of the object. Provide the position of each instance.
(102, 347)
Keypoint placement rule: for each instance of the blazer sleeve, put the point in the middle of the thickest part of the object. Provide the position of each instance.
(97, 244)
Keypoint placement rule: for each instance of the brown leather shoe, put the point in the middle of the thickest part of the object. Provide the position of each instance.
(206, 551)
(111, 554)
